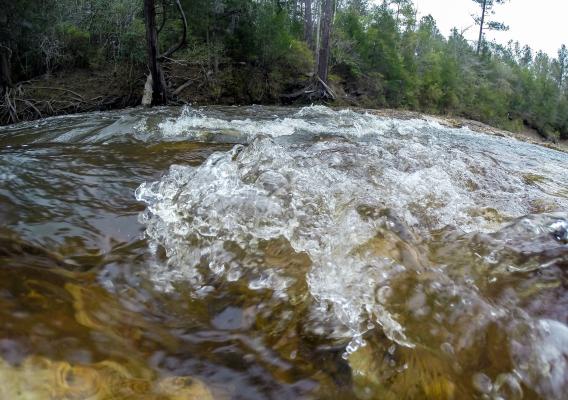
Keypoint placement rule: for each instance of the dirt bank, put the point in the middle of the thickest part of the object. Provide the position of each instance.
(71, 92)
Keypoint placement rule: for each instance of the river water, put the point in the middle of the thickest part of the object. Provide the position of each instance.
(279, 253)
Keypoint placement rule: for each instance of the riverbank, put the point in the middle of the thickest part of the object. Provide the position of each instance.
(71, 92)
(77, 91)
(526, 134)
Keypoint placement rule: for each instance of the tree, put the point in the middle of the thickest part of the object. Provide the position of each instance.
(562, 65)
(322, 65)
(405, 13)
(308, 23)
(486, 10)
(526, 57)
(5, 69)
(23, 24)
(156, 79)
(5, 55)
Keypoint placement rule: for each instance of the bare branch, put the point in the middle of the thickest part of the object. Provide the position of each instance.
(183, 39)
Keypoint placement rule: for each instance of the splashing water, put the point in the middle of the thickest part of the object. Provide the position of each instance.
(430, 260)
(334, 185)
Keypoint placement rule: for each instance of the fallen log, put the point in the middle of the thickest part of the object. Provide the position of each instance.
(316, 90)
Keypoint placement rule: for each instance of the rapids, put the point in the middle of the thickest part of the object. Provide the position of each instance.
(264, 252)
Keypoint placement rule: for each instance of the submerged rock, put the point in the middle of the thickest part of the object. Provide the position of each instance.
(41, 378)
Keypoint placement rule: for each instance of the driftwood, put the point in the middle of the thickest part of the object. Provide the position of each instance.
(316, 90)
(183, 86)
(325, 90)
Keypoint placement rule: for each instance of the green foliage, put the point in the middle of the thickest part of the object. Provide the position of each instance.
(349, 38)
(299, 57)
(76, 45)
(416, 67)
(134, 42)
(24, 26)
(254, 51)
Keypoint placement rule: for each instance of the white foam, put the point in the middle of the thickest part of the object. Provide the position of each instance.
(309, 194)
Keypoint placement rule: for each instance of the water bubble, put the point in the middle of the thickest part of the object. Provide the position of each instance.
(508, 387)
(447, 348)
(559, 230)
(217, 269)
(383, 293)
(482, 383)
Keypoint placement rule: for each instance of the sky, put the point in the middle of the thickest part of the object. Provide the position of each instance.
(542, 24)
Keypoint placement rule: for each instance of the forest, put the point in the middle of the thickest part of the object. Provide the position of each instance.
(64, 56)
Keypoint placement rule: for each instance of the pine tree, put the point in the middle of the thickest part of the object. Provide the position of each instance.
(481, 20)
(308, 23)
(562, 66)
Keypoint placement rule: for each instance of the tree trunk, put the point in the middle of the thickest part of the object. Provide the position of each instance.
(5, 70)
(159, 95)
(324, 46)
(308, 23)
(481, 26)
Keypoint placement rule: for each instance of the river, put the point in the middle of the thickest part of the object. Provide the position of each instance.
(279, 253)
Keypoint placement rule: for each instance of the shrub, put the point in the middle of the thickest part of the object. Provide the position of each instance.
(76, 46)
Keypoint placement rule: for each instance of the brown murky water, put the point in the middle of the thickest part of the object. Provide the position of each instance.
(269, 253)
